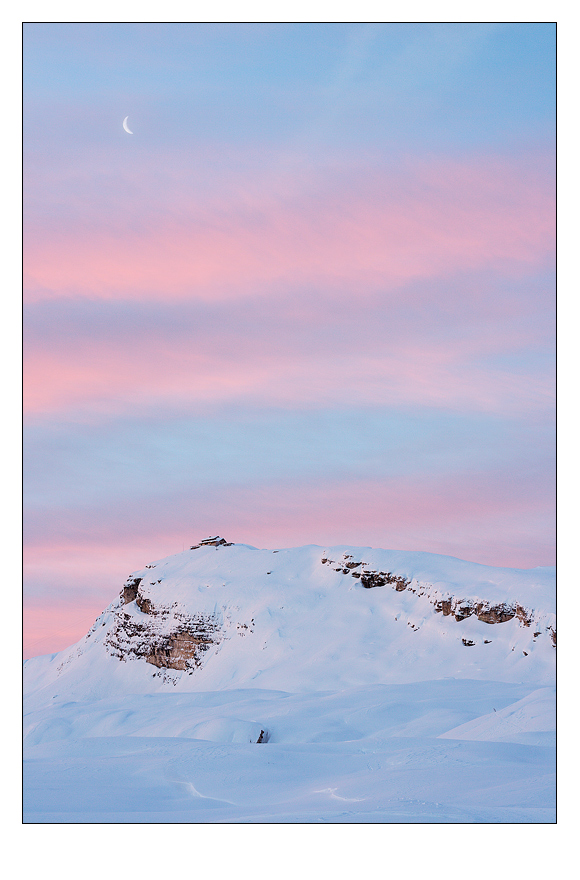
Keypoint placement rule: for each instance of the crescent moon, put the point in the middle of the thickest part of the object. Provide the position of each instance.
(125, 126)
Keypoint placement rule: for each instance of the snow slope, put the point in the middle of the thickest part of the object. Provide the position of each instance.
(230, 684)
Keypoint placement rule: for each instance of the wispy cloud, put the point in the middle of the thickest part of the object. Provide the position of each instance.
(410, 347)
(377, 230)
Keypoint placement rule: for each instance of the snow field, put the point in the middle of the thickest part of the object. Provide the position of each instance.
(321, 701)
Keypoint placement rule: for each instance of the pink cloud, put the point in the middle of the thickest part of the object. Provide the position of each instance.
(371, 230)
(48, 629)
(179, 372)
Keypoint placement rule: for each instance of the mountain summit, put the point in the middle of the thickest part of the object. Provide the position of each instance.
(224, 615)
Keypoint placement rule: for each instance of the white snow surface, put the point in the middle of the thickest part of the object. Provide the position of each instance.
(321, 700)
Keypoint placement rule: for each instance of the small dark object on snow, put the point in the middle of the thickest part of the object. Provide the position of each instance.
(212, 542)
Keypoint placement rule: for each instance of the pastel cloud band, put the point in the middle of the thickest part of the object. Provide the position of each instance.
(388, 229)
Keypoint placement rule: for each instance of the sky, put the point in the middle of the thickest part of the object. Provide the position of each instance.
(310, 300)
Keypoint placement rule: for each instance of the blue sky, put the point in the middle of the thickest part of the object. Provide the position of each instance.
(309, 300)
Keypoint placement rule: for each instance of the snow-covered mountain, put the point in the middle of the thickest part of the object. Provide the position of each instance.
(229, 615)
(342, 647)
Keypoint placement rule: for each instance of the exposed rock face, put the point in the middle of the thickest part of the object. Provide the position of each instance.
(163, 636)
(460, 609)
(369, 579)
(382, 578)
(183, 650)
(145, 605)
(445, 606)
(523, 615)
(129, 592)
(494, 614)
(167, 640)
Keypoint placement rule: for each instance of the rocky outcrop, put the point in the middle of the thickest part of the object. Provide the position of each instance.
(494, 613)
(130, 589)
(183, 650)
(130, 593)
(382, 578)
(523, 615)
(445, 606)
(368, 578)
(145, 605)
(460, 609)
(162, 636)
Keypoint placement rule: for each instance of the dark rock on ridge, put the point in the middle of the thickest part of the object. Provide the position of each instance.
(212, 542)
(182, 648)
(382, 578)
(460, 609)
(129, 593)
